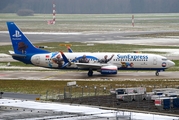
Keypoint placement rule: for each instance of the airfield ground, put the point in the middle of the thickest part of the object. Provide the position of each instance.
(149, 29)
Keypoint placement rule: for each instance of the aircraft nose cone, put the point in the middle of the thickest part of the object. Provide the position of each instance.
(171, 63)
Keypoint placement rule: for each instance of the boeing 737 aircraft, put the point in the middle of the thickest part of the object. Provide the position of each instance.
(105, 63)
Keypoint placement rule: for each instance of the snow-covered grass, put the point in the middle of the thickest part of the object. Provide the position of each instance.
(93, 22)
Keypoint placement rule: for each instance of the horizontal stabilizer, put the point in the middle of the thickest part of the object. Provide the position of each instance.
(17, 55)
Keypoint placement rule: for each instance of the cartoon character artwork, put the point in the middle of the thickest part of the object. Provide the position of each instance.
(58, 60)
(83, 59)
(75, 60)
(127, 65)
(22, 47)
(131, 64)
(105, 59)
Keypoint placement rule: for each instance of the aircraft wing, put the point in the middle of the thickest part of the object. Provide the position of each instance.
(90, 65)
(102, 68)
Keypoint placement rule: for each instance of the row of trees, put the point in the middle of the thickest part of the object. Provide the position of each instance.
(91, 6)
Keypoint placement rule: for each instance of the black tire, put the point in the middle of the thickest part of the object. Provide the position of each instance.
(90, 73)
(157, 73)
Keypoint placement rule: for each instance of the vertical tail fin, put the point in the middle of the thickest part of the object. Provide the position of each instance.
(20, 42)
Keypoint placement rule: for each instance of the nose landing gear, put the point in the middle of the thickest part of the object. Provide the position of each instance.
(157, 73)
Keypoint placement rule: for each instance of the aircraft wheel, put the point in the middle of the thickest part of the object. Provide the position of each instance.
(90, 73)
(157, 73)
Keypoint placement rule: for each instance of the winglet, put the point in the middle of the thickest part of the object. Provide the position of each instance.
(61, 53)
(69, 49)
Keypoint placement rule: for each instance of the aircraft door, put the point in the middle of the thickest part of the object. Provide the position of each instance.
(37, 60)
(155, 61)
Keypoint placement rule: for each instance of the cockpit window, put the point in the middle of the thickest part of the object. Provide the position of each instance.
(164, 59)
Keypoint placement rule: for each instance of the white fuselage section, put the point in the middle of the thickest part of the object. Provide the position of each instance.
(121, 60)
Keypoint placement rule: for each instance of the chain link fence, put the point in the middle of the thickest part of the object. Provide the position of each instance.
(101, 96)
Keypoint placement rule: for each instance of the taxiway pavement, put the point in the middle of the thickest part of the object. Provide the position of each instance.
(82, 75)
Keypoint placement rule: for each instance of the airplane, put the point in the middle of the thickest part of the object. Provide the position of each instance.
(27, 53)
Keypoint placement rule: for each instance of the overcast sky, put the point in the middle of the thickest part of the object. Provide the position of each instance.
(91, 6)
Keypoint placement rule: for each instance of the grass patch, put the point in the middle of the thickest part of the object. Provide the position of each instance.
(92, 22)
(57, 87)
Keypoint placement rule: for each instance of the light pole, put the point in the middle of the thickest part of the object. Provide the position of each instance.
(95, 89)
(82, 91)
(104, 90)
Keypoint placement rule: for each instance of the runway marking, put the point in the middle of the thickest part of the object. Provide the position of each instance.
(3, 75)
(47, 77)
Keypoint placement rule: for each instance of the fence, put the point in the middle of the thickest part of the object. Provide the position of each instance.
(100, 96)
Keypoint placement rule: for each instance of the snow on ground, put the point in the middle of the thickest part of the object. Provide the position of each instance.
(87, 110)
(170, 51)
(143, 41)
(4, 55)
(48, 33)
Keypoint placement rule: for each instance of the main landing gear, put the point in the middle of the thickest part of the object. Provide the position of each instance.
(90, 73)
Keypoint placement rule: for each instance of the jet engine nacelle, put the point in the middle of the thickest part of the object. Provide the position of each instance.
(111, 69)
